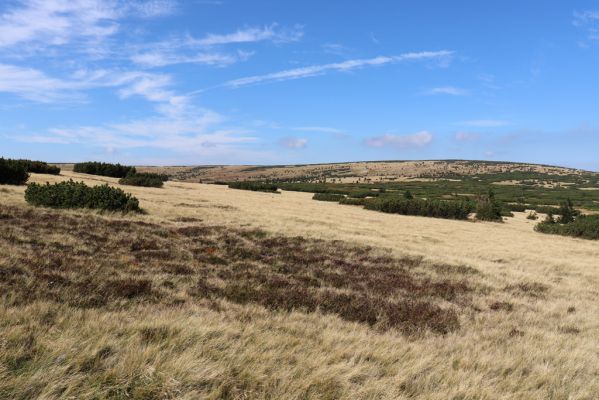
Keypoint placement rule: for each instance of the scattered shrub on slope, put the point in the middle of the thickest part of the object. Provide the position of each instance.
(104, 169)
(328, 197)
(426, 208)
(143, 179)
(254, 186)
(40, 167)
(70, 194)
(489, 209)
(584, 226)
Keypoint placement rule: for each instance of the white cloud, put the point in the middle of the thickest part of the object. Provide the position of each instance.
(466, 136)
(322, 129)
(415, 140)
(250, 35)
(344, 66)
(485, 123)
(450, 90)
(155, 59)
(293, 142)
(588, 20)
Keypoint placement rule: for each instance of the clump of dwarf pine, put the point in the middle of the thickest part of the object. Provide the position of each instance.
(12, 172)
(488, 208)
(39, 167)
(145, 179)
(328, 197)
(532, 216)
(567, 212)
(254, 186)
(426, 208)
(71, 194)
(104, 169)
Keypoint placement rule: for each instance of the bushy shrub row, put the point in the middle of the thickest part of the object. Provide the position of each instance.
(12, 172)
(328, 197)
(104, 169)
(145, 179)
(426, 208)
(584, 226)
(353, 202)
(254, 186)
(70, 194)
(40, 167)
(516, 207)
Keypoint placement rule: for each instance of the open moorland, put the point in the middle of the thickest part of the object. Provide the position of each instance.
(214, 292)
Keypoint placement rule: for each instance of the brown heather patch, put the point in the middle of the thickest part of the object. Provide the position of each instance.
(88, 261)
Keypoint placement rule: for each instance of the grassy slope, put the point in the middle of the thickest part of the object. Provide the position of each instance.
(146, 343)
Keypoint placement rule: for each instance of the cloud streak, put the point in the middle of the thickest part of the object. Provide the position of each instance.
(449, 90)
(415, 140)
(345, 66)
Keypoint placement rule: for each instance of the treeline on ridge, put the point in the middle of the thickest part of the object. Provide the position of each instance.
(71, 194)
(104, 169)
(16, 172)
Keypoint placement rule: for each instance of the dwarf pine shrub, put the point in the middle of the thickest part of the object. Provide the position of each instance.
(104, 169)
(448, 209)
(12, 172)
(328, 197)
(144, 179)
(254, 186)
(489, 209)
(584, 226)
(71, 194)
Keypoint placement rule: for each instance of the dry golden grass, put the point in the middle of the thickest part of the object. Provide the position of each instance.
(528, 331)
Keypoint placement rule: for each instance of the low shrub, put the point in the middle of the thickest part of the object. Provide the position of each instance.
(70, 194)
(584, 226)
(353, 202)
(104, 169)
(143, 179)
(328, 197)
(12, 172)
(532, 216)
(516, 207)
(489, 209)
(426, 208)
(254, 186)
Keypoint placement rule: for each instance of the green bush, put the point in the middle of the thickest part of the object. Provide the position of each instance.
(254, 186)
(12, 172)
(143, 179)
(70, 194)
(427, 208)
(489, 209)
(39, 167)
(104, 169)
(353, 202)
(584, 226)
(516, 207)
(328, 197)
(532, 216)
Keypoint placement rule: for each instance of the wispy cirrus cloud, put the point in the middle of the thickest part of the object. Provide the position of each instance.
(449, 90)
(466, 136)
(293, 142)
(589, 21)
(44, 23)
(188, 49)
(415, 140)
(344, 66)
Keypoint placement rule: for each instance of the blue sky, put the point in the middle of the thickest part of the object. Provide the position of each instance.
(269, 82)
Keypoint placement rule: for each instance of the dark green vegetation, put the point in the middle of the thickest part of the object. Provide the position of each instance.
(254, 186)
(584, 226)
(12, 172)
(570, 223)
(488, 208)
(145, 179)
(16, 172)
(70, 194)
(112, 263)
(425, 208)
(39, 167)
(328, 197)
(104, 169)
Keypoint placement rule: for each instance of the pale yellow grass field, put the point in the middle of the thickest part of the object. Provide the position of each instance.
(537, 351)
